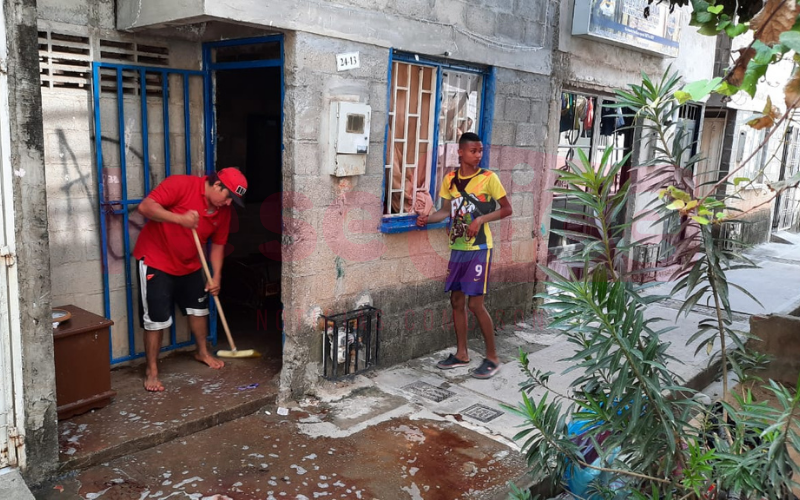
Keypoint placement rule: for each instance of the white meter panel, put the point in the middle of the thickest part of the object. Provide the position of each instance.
(352, 127)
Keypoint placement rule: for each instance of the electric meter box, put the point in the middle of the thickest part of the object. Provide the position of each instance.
(349, 127)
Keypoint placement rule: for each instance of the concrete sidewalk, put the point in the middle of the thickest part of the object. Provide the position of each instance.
(405, 432)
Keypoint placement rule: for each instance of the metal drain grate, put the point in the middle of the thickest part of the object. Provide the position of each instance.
(429, 391)
(482, 413)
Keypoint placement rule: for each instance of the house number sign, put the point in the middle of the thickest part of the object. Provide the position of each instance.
(347, 60)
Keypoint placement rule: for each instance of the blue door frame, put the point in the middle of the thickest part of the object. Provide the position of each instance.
(121, 206)
(210, 67)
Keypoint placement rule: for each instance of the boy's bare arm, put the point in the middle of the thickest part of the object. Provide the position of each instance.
(435, 217)
(505, 211)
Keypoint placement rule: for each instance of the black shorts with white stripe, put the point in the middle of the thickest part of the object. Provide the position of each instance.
(161, 291)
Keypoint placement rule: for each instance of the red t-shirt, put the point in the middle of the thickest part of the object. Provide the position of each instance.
(170, 247)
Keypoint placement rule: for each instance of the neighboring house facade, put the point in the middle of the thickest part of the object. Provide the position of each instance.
(340, 113)
(735, 145)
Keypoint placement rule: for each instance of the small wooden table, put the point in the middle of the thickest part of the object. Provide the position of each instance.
(83, 364)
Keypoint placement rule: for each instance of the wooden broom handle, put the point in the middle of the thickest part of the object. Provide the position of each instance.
(202, 255)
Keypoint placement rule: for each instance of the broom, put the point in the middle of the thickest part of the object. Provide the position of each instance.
(233, 353)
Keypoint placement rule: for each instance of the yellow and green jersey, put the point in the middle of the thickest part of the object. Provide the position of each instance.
(469, 198)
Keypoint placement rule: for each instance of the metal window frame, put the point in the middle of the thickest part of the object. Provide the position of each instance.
(402, 223)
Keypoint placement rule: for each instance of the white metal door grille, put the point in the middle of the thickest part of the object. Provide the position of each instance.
(411, 109)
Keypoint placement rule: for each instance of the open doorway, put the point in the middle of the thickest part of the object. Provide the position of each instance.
(248, 126)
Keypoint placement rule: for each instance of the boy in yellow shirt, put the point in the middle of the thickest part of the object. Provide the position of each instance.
(469, 196)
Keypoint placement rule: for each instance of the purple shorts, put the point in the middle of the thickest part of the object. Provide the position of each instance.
(468, 272)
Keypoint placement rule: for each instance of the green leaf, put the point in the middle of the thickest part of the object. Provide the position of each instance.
(739, 180)
(708, 29)
(726, 88)
(716, 9)
(754, 72)
(676, 205)
(735, 30)
(680, 195)
(683, 97)
(703, 17)
(700, 220)
(701, 88)
(791, 39)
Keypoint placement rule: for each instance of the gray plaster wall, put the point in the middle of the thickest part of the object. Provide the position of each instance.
(31, 224)
(503, 33)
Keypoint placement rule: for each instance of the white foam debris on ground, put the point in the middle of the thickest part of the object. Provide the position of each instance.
(413, 434)
(356, 407)
(191, 480)
(413, 491)
(331, 430)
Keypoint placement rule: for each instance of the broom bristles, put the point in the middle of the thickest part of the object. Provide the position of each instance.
(245, 353)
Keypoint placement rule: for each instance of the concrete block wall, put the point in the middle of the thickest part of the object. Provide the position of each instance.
(29, 196)
(503, 33)
(338, 255)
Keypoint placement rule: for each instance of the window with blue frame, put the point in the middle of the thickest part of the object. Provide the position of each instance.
(431, 104)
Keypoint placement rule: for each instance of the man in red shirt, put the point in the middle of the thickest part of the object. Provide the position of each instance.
(169, 268)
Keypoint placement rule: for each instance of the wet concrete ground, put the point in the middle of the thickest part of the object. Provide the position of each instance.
(196, 397)
(269, 456)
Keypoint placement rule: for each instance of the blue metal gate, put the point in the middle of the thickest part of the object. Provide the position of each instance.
(155, 91)
(169, 107)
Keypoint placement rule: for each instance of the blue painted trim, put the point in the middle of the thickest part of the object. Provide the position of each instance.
(245, 41)
(209, 112)
(98, 147)
(407, 223)
(123, 168)
(283, 148)
(137, 68)
(436, 112)
(429, 61)
(187, 126)
(165, 113)
(487, 115)
(389, 77)
(128, 202)
(283, 100)
(264, 63)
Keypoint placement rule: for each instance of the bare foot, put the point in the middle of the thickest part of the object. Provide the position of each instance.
(152, 384)
(210, 360)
